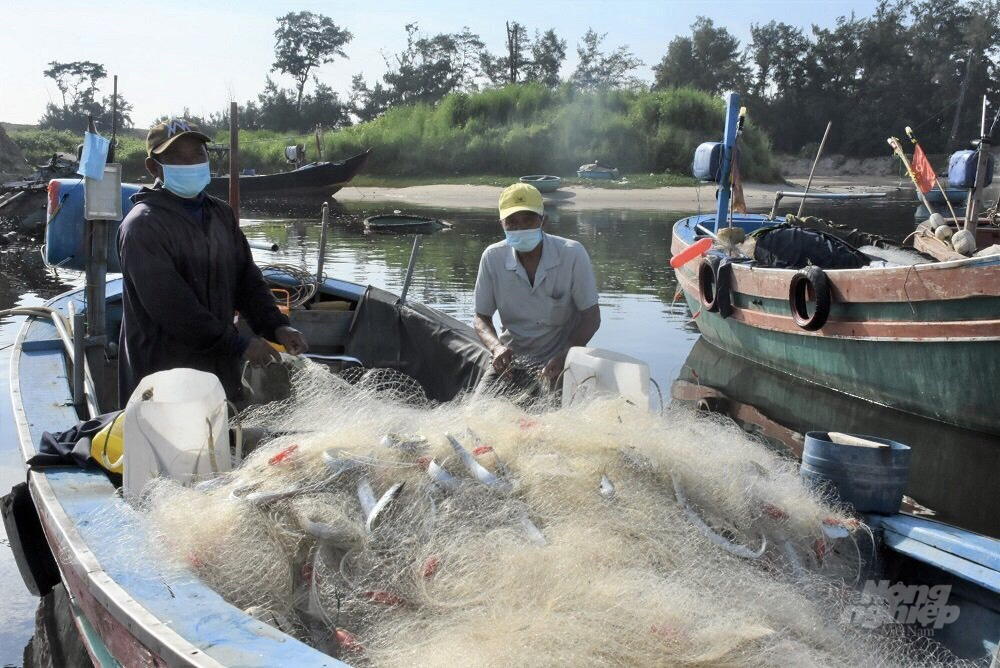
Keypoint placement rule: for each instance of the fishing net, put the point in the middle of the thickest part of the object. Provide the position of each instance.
(389, 531)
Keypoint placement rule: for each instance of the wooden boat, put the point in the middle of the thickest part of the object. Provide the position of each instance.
(953, 195)
(139, 611)
(913, 338)
(403, 223)
(324, 178)
(24, 201)
(915, 549)
(545, 183)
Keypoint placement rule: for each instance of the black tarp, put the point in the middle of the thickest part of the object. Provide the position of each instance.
(788, 246)
(443, 354)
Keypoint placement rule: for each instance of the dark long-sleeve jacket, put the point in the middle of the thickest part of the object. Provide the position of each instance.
(183, 280)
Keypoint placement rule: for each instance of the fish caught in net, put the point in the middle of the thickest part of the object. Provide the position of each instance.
(386, 531)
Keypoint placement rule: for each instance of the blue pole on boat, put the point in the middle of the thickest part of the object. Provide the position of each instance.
(728, 145)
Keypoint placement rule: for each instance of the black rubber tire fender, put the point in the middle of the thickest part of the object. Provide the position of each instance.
(708, 284)
(805, 281)
(723, 288)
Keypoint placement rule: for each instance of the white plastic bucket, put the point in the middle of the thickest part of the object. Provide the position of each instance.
(593, 371)
(176, 426)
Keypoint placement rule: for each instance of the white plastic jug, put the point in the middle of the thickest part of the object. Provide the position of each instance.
(593, 371)
(176, 426)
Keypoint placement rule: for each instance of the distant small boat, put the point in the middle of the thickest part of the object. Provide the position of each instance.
(316, 177)
(400, 222)
(953, 194)
(544, 182)
(602, 174)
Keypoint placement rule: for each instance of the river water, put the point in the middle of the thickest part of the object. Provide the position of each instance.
(951, 472)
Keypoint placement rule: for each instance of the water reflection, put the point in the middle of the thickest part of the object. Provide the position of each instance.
(952, 470)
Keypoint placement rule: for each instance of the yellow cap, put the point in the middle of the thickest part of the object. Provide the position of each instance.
(521, 197)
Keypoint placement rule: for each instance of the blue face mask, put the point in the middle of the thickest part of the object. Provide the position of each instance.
(524, 241)
(186, 180)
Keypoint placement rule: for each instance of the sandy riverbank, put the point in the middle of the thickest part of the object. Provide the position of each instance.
(675, 198)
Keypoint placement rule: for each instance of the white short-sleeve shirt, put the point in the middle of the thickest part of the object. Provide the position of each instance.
(537, 319)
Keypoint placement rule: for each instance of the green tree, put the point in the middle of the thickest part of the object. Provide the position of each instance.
(778, 52)
(429, 68)
(547, 55)
(597, 69)
(78, 82)
(304, 41)
(709, 59)
(507, 69)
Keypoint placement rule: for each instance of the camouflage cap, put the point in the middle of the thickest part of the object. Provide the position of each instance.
(162, 135)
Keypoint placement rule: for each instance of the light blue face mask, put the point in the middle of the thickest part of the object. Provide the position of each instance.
(186, 180)
(524, 241)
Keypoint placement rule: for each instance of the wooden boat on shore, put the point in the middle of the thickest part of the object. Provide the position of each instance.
(324, 178)
(403, 223)
(544, 182)
(598, 174)
(911, 337)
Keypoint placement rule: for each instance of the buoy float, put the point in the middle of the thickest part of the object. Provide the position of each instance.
(691, 252)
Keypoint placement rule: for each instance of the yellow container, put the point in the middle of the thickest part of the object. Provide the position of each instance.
(107, 447)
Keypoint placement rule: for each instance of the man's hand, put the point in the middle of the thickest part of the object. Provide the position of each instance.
(260, 352)
(503, 357)
(554, 367)
(292, 339)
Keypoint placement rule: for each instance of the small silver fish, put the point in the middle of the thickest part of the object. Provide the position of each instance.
(339, 464)
(247, 493)
(409, 443)
(476, 469)
(532, 531)
(607, 488)
(442, 479)
(371, 507)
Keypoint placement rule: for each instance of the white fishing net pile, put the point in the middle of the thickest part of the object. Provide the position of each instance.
(600, 535)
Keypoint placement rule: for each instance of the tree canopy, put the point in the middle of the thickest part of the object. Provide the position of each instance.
(598, 69)
(303, 42)
(78, 83)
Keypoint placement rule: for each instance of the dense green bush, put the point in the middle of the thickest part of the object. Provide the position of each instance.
(519, 129)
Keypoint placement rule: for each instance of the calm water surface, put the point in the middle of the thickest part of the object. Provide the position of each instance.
(640, 317)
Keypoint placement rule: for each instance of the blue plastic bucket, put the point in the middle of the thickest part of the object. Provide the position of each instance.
(870, 479)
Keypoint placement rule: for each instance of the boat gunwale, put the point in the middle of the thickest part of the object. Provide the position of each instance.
(73, 551)
(909, 283)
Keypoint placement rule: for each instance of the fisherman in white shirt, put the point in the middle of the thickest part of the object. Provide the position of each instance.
(542, 285)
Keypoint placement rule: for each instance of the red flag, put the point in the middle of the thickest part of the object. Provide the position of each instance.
(923, 170)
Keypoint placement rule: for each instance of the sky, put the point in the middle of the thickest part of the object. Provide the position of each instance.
(173, 54)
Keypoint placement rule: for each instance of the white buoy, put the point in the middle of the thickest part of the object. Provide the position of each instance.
(935, 221)
(944, 232)
(964, 242)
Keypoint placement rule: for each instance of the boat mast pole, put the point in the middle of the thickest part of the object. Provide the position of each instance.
(234, 159)
(812, 170)
(972, 205)
(410, 267)
(728, 144)
(324, 225)
(96, 269)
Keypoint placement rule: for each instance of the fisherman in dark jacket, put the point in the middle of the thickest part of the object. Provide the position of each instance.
(187, 270)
